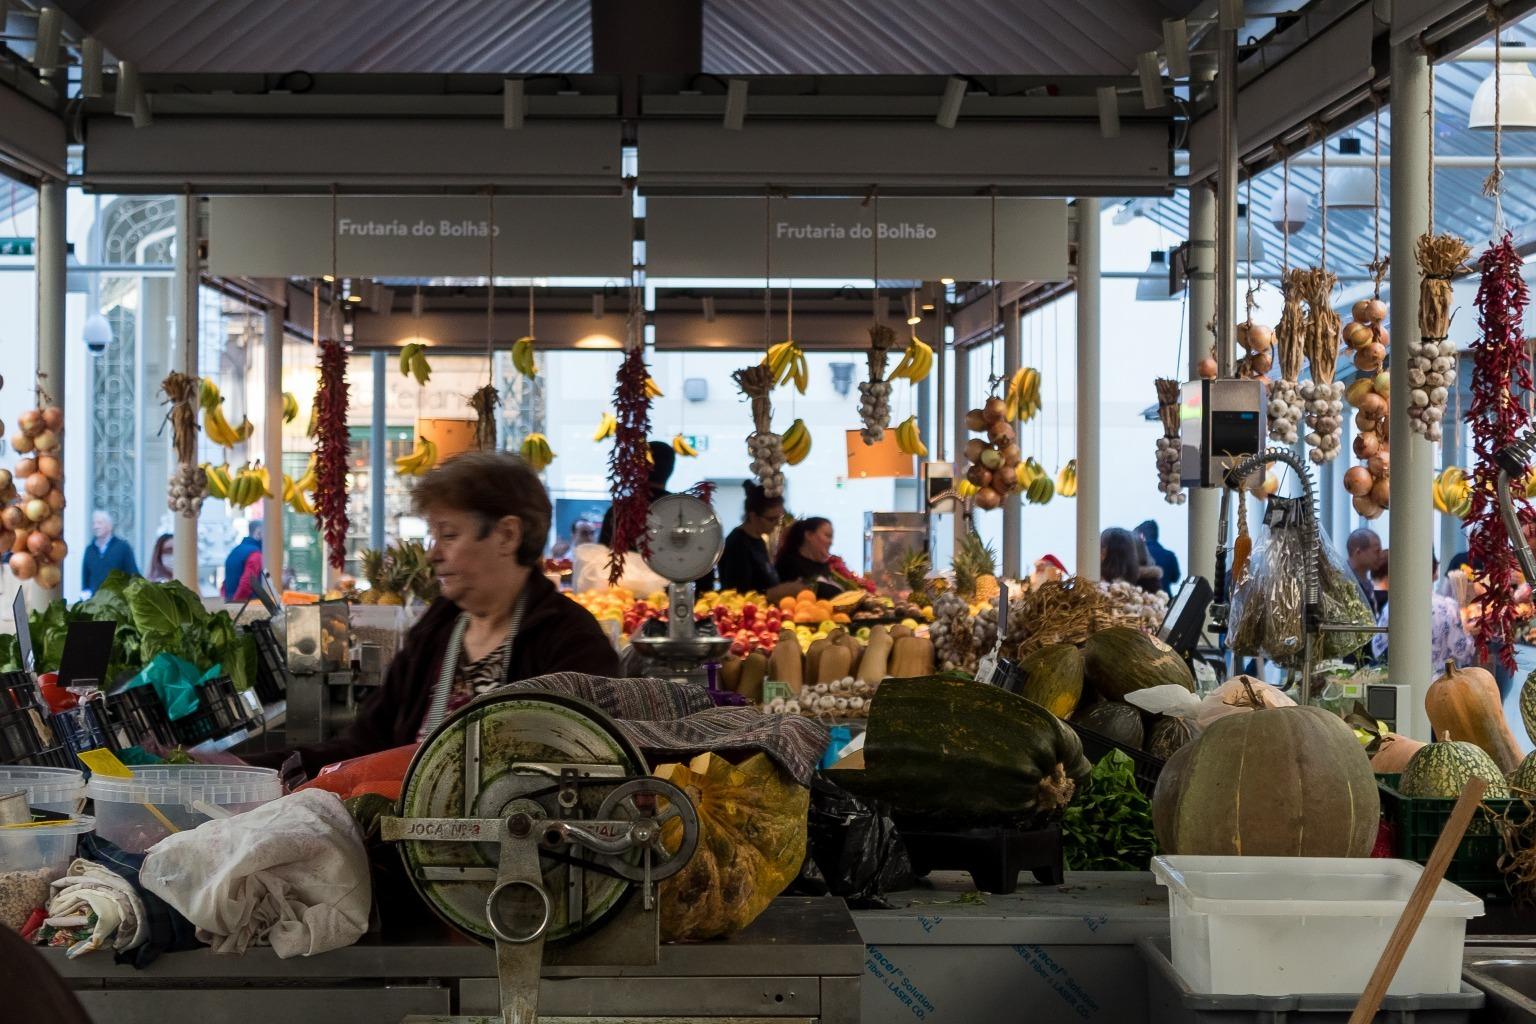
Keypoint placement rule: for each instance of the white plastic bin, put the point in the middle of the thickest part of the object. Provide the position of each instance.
(1274, 926)
(60, 790)
(30, 858)
(133, 813)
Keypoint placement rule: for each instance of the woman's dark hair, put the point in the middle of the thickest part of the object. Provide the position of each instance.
(758, 502)
(157, 564)
(795, 535)
(491, 485)
(1120, 560)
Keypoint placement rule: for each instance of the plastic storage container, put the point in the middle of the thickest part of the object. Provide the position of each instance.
(1274, 926)
(1170, 1001)
(30, 858)
(59, 790)
(137, 813)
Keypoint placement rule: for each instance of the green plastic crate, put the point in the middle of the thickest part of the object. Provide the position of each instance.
(1416, 823)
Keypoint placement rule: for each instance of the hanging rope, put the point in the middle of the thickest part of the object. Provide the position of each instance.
(1248, 256)
(996, 342)
(1492, 185)
(1322, 201)
(335, 276)
(490, 288)
(767, 269)
(875, 234)
(1379, 264)
(1430, 114)
(1285, 207)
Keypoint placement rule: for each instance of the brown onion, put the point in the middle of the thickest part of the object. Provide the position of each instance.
(49, 576)
(1357, 480)
(1366, 445)
(1378, 309)
(974, 420)
(37, 542)
(993, 410)
(1379, 464)
(37, 510)
(1207, 367)
(23, 565)
(51, 467)
(1366, 507)
(1373, 405)
(53, 418)
(986, 498)
(53, 526)
(57, 551)
(38, 485)
(55, 499)
(1381, 491)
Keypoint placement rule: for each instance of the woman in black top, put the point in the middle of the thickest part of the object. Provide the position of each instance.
(805, 557)
(744, 564)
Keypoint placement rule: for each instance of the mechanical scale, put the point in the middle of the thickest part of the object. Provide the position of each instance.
(685, 540)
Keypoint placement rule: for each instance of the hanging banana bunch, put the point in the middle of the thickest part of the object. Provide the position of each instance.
(681, 445)
(290, 407)
(522, 357)
(1452, 492)
(652, 389)
(916, 362)
(243, 488)
(536, 450)
(422, 457)
(1023, 398)
(296, 493)
(219, 430)
(1066, 480)
(413, 362)
(1035, 482)
(787, 362)
(909, 439)
(606, 428)
(796, 443)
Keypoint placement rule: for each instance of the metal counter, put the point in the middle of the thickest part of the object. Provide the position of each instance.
(799, 961)
(1046, 954)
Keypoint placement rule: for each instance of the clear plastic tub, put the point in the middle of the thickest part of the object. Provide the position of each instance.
(135, 814)
(30, 858)
(1275, 926)
(59, 790)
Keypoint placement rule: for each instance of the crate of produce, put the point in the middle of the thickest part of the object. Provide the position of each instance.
(219, 697)
(137, 812)
(26, 739)
(198, 727)
(1170, 1000)
(271, 664)
(138, 714)
(1144, 766)
(56, 790)
(1414, 822)
(19, 690)
(1271, 926)
(30, 859)
(84, 727)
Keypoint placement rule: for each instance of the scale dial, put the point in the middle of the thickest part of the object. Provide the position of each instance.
(685, 537)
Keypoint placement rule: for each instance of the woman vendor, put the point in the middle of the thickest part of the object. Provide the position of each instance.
(498, 619)
(806, 560)
(744, 563)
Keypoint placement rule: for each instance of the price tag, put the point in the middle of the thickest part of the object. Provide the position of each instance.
(102, 761)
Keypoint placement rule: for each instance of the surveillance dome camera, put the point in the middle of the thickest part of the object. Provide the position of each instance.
(97, 334)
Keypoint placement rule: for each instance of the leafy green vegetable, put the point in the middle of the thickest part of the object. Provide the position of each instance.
(1108, 824)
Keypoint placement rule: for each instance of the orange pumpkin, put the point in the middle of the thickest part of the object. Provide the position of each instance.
(1393, 754)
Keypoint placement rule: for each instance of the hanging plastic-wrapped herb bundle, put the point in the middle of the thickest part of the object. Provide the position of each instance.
(333, 452)
(1500, 372)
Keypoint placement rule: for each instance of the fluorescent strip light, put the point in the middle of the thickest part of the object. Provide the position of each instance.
(50, 26)
(735, 104)
(514, 104)
(1176, 46)
(1151, 80)
(1109, 111)
(949, 106)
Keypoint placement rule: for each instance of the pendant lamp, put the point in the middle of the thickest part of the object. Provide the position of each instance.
(1154, 288)
(1352, 188)
(1290, 209)
(1247, 244)
(1517, 100)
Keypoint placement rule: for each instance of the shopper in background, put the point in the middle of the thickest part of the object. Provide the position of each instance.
(1148, 577)
(106, 553)
(1118, 557)
(744, 564)
(1448, 640)
(1363, 549)
(163, 560)
(1164, 559)
(235, 565)
(805, 557)
(499, 619)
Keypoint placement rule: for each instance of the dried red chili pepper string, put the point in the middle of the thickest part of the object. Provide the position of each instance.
(629, 463)
(1499, 373)
(333, 451)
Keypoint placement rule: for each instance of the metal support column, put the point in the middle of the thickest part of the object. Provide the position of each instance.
(1411, 530)
(378, 451)
(1090, 467)
(1204, 502)
(1226, 184)
(960, 402)
(52, 263)
(1453, 537)
(1013, 351)
(272, 444)
(185, 354)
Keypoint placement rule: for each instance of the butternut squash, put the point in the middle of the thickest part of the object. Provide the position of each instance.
(855, 654)
(813, 656)
(786, 665)
(833, 665)
(754, 669)
(877, 655)
(730, 672)
(1464, 704)
(911, 656)
(898, 631)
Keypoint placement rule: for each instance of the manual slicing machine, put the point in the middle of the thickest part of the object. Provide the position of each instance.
(528, 821)
(685, 541)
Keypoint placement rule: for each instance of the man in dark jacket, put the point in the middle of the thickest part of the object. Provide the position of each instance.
(106, 552)
(1161, 557)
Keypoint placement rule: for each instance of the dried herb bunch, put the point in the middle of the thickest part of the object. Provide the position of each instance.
(1322, 395)
(484, 401)
(875, 393)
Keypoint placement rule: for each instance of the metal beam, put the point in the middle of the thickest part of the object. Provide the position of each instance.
(1013, 345)
(33, 139)
(184, 349)
(272, 552)
(1204, 502)
(1090, 466)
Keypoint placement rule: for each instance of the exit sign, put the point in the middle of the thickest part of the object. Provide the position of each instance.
(15, 246)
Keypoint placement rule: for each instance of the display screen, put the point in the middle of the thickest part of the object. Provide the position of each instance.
(1234, 433)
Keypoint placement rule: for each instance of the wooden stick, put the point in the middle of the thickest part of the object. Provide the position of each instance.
(1413, 913)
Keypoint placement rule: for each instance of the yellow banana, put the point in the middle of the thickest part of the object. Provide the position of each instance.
(421, 458)
(208, 396)
(682, 447)
(536, 451)
(245, 429)
(786, 361)
(218, 481)
(290, 407)
(1066, 480)
(965, 488)
(314, 419)
(522, 357)
(406, 352)
(302, 505)
(652, 389)
(308, 481)
(1022, 401)
(916, 362)
(796, 443)
(219, 430)
(606, 428)
(420, 368)
(909, 439)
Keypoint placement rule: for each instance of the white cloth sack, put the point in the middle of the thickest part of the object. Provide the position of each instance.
(88, 888)
(589, 571)
(292, 873)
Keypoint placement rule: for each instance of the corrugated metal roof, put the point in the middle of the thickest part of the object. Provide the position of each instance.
(832, 37)
(1459, 203)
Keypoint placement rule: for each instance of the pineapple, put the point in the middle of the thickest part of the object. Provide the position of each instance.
(374, 564)
(914, 570)
(976, 570)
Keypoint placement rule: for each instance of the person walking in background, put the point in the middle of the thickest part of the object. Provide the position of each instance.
(1161, 557)
(238, 562)
(1363, 549)
(106, 553)
(1448, 640)
(162, 561)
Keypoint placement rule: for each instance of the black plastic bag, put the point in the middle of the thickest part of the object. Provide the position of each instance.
(854, 850)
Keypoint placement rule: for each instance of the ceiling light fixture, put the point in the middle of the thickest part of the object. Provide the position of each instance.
(1151, 75)
(1247, 243)
(1154, 286)
(946, 281)
(90, 68)
(130, 100)
(1289, 210)
(514, 103)
(50, 27)
(1350, 188)
(735, 104)
(1517, 100)
(1109, 111)
(949, 105)
(1176, 46)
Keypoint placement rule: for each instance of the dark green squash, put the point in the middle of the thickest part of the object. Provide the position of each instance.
(1119, 660)
(1115, 720)
(1279, 782)
(1053, 678)
(946, 749)
(1167, 735)
(1524, 777)
(1441, 768)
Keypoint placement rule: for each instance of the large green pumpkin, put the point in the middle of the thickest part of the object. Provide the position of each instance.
(1053, 678)
(1524, 777)
(1119, 660)
(946, 749)
(1281, 782)
(1115, 720)
(1528, 705)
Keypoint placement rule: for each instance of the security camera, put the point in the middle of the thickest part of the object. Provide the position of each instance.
(97, 334)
